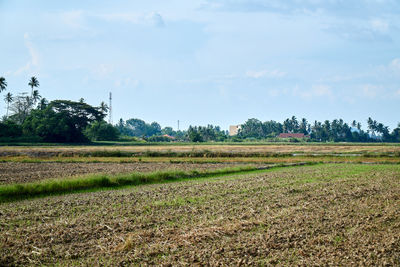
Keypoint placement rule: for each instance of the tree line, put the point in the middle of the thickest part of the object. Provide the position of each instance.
(31, 117)
(328, 131)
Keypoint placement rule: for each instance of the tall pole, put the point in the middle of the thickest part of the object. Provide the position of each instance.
(178, 125)
(110, 110)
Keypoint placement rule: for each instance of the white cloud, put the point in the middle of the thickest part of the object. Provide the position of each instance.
(152, 19)
(73, 19)
(103, 70)
(265, 73)
(273, 92)
(395, 65)
(157, 19)
(370, 90)
(379, 25)
(127, 82)
(320, 90)
(34, 57)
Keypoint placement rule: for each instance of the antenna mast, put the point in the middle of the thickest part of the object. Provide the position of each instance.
(110, 110)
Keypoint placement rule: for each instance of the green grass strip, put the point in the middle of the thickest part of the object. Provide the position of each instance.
(62, 186)
(103, 181)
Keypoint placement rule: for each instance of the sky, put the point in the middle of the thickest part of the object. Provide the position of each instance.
(205, 62)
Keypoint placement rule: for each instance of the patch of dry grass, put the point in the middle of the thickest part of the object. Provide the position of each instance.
(233, 149)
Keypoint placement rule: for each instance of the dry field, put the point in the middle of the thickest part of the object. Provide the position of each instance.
(273, 148)
(16, 172)
(332, 214)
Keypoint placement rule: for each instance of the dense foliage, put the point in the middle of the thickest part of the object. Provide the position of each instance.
(333, 131)
(101, 131)
(62, 121)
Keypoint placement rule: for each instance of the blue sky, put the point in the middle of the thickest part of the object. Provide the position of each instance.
(218, 62)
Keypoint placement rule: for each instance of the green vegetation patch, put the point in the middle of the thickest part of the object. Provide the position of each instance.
(62, 186)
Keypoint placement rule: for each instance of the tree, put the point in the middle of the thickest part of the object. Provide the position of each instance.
(304, 126)
(20, 108)
(101, 131)
(168, 130)
(194, 135)
(43, 103)
(153, 129)
(10, 129)
(103, 107)
(3, 84)
(33, 82)
(8, 99)
(35, 96)
(252, 128)
(62, 121)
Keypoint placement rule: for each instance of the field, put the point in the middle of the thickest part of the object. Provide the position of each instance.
(339, 205)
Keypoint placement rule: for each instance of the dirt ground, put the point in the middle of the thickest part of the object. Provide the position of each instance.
(13, 172)
(320, 148)
(335, 214)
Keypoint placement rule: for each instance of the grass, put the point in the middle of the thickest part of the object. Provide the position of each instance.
(62, 186)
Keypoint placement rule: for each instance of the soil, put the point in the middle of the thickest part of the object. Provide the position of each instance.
(334, 214)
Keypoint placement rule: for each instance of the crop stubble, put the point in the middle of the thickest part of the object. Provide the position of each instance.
(271, 148)
(14, 172)
(337, 214)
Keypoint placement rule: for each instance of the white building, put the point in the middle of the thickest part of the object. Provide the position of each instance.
(234, 129)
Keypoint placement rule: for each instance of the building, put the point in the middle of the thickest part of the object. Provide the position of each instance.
(234, 129)
(292, 135)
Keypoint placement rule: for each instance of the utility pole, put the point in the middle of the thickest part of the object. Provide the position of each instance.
(178, 125)
(110, 111)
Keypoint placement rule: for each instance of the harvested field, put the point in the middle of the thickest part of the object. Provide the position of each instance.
(13, 172)
(233, 149)
(203, 160)
(334, 214)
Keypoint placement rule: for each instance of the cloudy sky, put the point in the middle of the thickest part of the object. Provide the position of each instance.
(218, 62)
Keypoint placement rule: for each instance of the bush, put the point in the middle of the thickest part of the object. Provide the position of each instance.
(10, 129)
(159, 138)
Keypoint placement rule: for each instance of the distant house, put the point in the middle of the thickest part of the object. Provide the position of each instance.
(168, 136)
(234, 129)
(292, 135)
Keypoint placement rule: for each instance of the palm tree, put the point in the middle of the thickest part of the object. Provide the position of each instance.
(33, 82)
(103, 107)
(43, 103)
(3, 84)
(35, 96)
(8, 98)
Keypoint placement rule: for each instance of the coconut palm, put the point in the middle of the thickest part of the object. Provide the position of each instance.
(3, 84)
(33, 82)
(8, 98)
(103, 107)
(35, 96)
